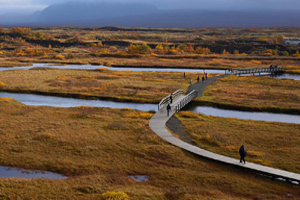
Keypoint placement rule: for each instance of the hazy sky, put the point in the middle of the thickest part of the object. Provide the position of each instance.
(29, 6)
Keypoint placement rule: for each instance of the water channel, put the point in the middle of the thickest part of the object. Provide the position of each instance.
(136, 69)
(9, 172)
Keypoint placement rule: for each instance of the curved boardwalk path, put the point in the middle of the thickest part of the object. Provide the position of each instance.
(158, 125)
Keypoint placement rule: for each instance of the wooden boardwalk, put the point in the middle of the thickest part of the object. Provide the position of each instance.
(257, 70)
(158, 124)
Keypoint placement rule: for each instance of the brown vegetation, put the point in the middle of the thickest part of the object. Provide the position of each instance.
(268, 143)
(255, 93)
(100, 147)
(102, 83)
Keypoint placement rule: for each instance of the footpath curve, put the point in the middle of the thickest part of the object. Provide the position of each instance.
(158, 125)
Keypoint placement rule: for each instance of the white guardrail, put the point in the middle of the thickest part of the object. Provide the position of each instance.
(187, 99)
(167, 99)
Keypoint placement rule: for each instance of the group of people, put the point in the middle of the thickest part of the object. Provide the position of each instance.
(203, 78)
(273, 67)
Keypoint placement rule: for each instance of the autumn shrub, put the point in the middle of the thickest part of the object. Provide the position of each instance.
(139, 48)
(111, 195)
(182, 47)
(297, 54)
(200, 50)
(285, 53)
(59, 56)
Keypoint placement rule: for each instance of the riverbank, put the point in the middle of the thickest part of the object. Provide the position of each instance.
(252, 93)
(149, 61)
(127, 86)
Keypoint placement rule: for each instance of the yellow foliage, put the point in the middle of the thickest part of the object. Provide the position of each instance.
(112, 195)
(297, 54)
(59, 56)
(188, 114)
(2, 84)
(101, 69)
(6, 99)
(254, 154)
(138, 115)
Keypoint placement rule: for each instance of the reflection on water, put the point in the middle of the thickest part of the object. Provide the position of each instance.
(287, 76)
(7, 172)
(41, 100)
(139, 178)
(260, 116)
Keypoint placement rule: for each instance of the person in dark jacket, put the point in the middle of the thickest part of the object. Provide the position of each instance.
(171, 98)
(243, 154)
(168, 109)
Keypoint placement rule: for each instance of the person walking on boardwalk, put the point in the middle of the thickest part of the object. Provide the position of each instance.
(184, 74)
(206, 76)
(243, 154)
(198, 79)
(202, 79)
(168, 109)
(171, 98)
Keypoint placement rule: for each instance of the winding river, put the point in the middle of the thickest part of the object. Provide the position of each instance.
(136, 69)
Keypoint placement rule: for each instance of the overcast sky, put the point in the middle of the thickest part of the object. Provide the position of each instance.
(30, 6)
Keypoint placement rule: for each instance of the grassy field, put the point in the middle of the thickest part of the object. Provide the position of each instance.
(254, 93)
(100, 147)
(148, 87)
(268, 143)
(198, 62)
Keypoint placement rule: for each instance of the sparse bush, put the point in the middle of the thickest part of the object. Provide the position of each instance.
(297, 54)
(111, 195)
(59, 56)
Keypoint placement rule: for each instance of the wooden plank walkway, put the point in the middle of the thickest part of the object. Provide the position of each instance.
(257, 70)
(158, 124)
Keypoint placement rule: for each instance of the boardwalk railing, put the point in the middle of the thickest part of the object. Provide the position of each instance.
(167, 99)
(187, 99)
(253, 70)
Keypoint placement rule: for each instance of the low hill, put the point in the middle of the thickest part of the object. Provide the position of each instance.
(147, 15)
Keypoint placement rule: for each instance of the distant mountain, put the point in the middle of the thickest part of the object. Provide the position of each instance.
(74, 11)
(147, 15)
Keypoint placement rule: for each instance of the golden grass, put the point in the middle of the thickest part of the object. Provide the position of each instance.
(105, 84)
(255, 93)
(268, 143)
(102, 148)
(5, 63)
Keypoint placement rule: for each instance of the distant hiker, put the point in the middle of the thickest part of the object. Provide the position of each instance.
(276, 67)
(171, 98)
(184, 74)
(206, 76)
(198, 79)
(202, 79)
(191, 81)
(243, 154)
(168, 109)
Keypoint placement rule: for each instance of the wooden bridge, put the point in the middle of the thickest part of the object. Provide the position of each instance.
(257, 70)
(158, 124)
